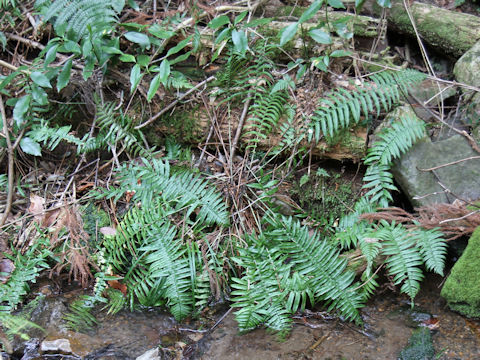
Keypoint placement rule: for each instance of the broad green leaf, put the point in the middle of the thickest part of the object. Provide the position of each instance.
(143, 60)
(30, 146)
(179, 46)
(7, 80)
(257, 22)
(138, 38)
(154, 85)
(20, 109)
(240, 41)
(51, 55)
(64, 76)
(159, 32)
(3, 40)
(112, 50)
(223, 35)
(359, 4)
(180, 58)
(288, 33)
(196, 42)
(127, 58)
(342, 30)
(164, 71)
(118, 5)
(87, 48)
(219, 22)
(40, 79)
(39, 95)
(320, 36)
(340, 53)
(311, 11)
(385, 3)
(89, 66)
(135, 77)
(133, 4)
(70, 47)
(239, 17)
(337, 4)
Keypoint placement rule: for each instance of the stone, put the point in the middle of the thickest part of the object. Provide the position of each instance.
(467, 70)
(461, 289)
(151, 354)
(444, 184)
(58, 345)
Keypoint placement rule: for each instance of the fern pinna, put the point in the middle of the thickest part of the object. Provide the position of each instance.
(285, 266)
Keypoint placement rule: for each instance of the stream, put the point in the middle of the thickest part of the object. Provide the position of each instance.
(389, 321)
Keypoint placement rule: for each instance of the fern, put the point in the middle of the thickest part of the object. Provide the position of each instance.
(27, 268)
(115, 128)
(76, 18)
(79, 317)
(285, 267)
(267, 109)
(51, 137)
(191, 192)
(393, 141)
(342, 109)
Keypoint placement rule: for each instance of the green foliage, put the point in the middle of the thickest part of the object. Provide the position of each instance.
(190, 192)
(27, 268)
(79, 316)
(51, 137)
(343, 109)
(285, 266)
(77, 18)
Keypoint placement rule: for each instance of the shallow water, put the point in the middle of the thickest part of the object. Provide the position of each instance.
(389, 322)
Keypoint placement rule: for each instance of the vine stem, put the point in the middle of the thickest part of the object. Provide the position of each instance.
(11, 169)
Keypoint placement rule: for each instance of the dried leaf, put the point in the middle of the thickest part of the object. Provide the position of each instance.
(108, 231)
(6, 269)
(36, 208)
(115, 284)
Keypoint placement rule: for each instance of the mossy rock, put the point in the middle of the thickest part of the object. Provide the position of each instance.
(462, 290)
(419, 346)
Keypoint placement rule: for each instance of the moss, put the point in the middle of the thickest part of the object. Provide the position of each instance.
(419, 346)
(461, 289)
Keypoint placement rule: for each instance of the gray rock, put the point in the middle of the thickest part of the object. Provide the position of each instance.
(467, 68)
(442, 185)
(151, 354)
(58, 345)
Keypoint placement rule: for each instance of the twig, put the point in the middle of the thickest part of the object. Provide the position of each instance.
(8, 65)
(11, 169)
(171, 105)
(459, 218)
(450, 163)
(240, 126)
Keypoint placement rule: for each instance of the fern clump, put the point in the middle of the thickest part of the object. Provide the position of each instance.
(285, 268)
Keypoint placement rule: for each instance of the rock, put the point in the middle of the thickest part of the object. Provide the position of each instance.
(423, 187)
(58, 345)
(467, 70)
(151, 354)
(461, 288)
(419, 346)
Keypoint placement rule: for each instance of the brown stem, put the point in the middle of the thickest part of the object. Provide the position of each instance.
(11, 169)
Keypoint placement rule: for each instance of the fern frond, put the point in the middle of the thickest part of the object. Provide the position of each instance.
(189, 191)
(395, 140)
(379, 180)
(79, 316)
(266, 113)
(343, 109)
(404, 261)
(75, 18)
(433, 248)
(51, 137)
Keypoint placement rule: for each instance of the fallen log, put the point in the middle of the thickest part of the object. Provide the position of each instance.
(195, 125)
(451, 31)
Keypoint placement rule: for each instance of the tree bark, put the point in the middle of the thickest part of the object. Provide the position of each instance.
(451, 31)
